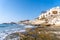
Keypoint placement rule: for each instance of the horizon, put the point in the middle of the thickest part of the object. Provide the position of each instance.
(17, 10)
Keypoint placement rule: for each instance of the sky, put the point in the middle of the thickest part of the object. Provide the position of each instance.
(17, 10)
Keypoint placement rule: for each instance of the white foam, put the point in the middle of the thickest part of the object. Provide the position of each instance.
(9, 31)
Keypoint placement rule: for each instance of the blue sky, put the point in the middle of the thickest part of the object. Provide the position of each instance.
(16, 10)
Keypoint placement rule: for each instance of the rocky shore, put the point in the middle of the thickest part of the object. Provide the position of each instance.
(41, 33)
(47, 26)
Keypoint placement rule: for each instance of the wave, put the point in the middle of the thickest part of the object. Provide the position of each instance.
(11, 30)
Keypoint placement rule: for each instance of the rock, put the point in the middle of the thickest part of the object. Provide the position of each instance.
(13, 36)
(48, 27)
(44, 33)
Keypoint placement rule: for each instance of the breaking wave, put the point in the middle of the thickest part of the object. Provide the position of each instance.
(9, 30)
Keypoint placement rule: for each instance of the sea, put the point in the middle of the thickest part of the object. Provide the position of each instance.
(7, 28)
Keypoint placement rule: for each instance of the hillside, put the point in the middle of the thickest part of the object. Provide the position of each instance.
(48, 26)
(51, 17)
